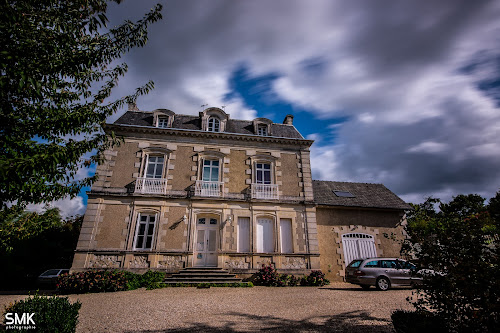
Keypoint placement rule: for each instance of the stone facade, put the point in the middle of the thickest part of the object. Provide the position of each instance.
(181, 196)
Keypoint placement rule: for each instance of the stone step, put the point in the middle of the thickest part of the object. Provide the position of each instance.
(230, 280)
(202, 275)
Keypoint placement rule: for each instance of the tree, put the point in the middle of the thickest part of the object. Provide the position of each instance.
(31, 243)
(460, 244)
(57, 65)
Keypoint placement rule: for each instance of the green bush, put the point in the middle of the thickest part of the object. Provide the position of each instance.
(51, 314)
(92, 281)
(134, 281)
(267, 276)
(417, 322)
(151, 277)
(315, 278)
(97, 281)
(460, 243)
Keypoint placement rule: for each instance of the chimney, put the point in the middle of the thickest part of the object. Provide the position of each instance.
(132, 106)
(288, 120)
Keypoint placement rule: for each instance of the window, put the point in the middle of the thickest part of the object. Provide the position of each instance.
(162, 122)
(355, 263)
(210, 171)
(389, 264)
(263, 173)
(286, 236)
(213, 124)
(262, 130)
(144, 231)
(154, 167)
(344, 194)
(243, 234)
(265, 235)
(372, 264)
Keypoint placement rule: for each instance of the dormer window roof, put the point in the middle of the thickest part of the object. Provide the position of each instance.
(262, 126)
(214, 120)
(163, 118)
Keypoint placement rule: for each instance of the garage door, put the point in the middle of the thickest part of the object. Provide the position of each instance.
(357, 246)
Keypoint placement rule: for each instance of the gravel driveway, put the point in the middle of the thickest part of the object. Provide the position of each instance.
(338, 307)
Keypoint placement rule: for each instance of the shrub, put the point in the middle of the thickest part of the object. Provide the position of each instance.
(151, 277)
(267, 276)
(315, 278)
(417, 322)
(286, 280)
(102, 281)
(92, 281)
(460, 244)
(51, 314)
(134, 281)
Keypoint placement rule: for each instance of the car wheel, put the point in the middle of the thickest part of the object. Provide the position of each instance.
(365, 286)
(383, 283)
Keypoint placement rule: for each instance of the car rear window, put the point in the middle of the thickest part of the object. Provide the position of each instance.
(372, 263)
(50, 272)
(355, 263)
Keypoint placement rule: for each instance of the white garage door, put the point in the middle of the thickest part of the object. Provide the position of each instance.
(358, 246)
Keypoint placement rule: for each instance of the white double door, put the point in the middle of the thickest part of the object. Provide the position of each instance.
(205, 254)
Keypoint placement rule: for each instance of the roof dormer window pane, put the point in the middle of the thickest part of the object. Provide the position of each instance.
(162, 122)
(213, 124)
(262, 130)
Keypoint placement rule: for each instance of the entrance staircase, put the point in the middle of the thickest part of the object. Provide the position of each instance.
(196, 275)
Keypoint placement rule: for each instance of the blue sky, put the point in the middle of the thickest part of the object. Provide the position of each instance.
(404, 93)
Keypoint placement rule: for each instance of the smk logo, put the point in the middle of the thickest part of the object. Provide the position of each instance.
(16, 321)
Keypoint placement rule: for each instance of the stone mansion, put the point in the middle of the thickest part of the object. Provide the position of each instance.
(210, 191)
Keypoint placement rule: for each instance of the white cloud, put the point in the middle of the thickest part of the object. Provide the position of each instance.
(428, 147)
(67, 206)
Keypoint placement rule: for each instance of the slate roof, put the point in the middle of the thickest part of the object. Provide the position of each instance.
(366, 195)
(187, 122)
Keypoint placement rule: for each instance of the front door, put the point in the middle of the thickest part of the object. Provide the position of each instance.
(205, 254)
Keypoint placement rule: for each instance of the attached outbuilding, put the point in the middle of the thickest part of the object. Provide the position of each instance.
(356, 220)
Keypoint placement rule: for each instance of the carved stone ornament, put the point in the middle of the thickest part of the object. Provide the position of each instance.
(139, 262)
(104, 261)
(170, 262)
(294, 263)
(236, 262)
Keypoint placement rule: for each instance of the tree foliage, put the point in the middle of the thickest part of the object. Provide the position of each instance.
(32, 242)
(57, 65)
(460, 243)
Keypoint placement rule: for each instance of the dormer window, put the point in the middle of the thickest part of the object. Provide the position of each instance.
(163, 118)
(213, 124)
(162, 122)
(262, 130)
(262, 126)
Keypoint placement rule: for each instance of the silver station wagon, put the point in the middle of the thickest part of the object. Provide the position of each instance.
(383, 273)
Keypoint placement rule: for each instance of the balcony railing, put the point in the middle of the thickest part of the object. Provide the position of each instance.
(209, 189)
(265, 191)
(151, 185)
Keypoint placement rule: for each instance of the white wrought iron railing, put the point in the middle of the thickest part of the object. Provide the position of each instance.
(265, 191)
(209, 189)
(151, 185)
